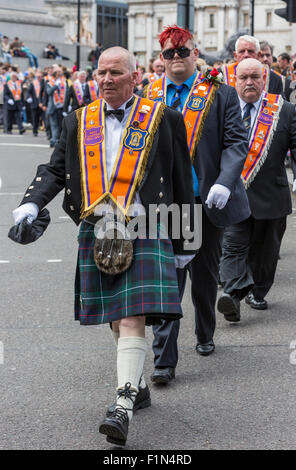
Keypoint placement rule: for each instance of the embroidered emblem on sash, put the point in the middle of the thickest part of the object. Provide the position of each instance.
(196, 103)
(93, 136)
(135, 138)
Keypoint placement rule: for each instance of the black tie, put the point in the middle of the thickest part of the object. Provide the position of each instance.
(119, 113)
(247, 116)
(176, 101)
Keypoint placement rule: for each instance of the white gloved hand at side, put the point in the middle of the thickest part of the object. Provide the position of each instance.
(294, 186)
(65, 114)
(29, 100)
(182, 260)
(10, 101)
(218, 196)
(30, 210)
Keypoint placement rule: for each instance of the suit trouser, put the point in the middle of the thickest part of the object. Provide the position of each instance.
(18, 119)
(250, 255)
(203, 271)
(55, 121)
(36, 114)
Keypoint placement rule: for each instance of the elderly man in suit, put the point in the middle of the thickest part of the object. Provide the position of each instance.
(251, 247)
(13, 102)
(121, 150)
(77, 94)
(34, 98)
(248, 47)
(218, 147)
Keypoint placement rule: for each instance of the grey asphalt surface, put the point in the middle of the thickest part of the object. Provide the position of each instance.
(57, 377)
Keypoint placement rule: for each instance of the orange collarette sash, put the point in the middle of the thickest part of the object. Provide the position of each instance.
(132, 156)
(78, 92)
(196, 107)
(92, 90)
(17, 93)
(229, 73)
(59, 96)
(36, 84)
(261, 136)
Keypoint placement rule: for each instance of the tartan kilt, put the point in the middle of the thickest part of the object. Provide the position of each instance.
(148, 287)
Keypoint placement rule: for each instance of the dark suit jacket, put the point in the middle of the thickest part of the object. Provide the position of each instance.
(168, 172)
(71, 99)
(220, 157)
(32, 94)
(7, 95)
(275, 84)
(269, 193)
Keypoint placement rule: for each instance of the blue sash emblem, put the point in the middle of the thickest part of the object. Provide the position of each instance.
(135, 139)
(196, 103)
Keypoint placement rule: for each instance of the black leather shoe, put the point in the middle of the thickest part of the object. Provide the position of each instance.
(229, 305)
(22, 131)
(257, 304)
(115, 426)
(205, 349)
(163, 376)
(142, 400)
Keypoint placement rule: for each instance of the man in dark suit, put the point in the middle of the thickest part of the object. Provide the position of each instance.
(251, 247)
(249, 47)
(218, 160)
(77, 94)
(13, 102)
(34, 98)
(152, 143)
(266, 57)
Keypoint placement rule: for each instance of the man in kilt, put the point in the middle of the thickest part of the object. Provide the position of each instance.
(121, 150)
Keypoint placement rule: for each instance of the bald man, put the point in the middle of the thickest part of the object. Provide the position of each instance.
(119, 150)
(251, 248)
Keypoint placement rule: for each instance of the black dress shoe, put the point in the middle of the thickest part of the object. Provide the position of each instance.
(22, 131)
(229, 305)
(142, 400)
(205, 349)
(163, 376)
(257, 304)
(115, 426)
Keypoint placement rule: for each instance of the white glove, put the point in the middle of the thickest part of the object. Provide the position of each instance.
(30, 210)
(294, 186)
(29, 100)
(69, 108)
(65, 114)
(182, 260)
(218, 196)
(11, 102)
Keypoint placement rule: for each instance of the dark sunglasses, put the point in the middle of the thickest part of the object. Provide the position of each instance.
(181, 51)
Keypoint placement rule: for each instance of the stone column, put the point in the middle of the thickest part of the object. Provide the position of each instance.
(131, 31)
(200, 27)
(149, 36)
(221, 28)
(233, 21)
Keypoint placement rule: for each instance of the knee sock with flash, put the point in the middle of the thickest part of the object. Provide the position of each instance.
(131, 353)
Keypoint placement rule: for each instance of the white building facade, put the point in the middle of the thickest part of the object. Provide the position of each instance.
(214, 22)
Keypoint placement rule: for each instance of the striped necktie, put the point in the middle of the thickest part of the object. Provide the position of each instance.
(176, 101)
(247, 116)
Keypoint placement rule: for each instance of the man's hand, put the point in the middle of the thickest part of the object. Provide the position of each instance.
(29, 100)
(10, 101)
(294, 186)
(29, 210)
(218, 196)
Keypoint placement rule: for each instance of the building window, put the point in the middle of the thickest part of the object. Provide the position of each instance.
(246, 20)
(160, 25)
(112, 23)
(211, 20)
(268, 18)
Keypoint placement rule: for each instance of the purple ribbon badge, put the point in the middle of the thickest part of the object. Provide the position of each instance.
(93, 136)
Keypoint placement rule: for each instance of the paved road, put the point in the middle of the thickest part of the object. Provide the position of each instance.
(57, 377)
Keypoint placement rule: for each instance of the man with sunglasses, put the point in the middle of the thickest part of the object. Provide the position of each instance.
(218, 145)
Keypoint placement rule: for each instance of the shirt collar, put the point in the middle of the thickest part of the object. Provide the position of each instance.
(256, 104)
(188, 83)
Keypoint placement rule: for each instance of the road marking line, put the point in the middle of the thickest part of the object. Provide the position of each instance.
(3, 261)
(11, 194)
(64, 217)
(24, 145)
(54, 260)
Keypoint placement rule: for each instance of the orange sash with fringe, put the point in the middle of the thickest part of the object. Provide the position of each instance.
(17, 93)
(132, 156)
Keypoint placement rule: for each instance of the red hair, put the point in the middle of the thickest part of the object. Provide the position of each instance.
(177, 35)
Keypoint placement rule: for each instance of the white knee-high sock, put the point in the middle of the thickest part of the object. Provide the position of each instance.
(131, 352)
(115, 335)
